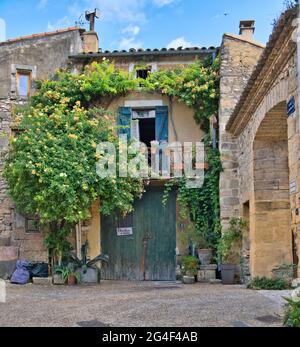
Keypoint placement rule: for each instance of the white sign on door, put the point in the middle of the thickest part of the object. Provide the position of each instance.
(124, 231)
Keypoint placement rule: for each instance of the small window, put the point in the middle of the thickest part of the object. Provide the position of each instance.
(32, 225)
(23, 83)
(143, 73)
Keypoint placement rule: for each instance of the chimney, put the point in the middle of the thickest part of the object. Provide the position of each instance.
(90, 38)
(247, 29)
(90, 42)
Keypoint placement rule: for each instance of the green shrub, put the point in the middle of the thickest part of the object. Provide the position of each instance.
(292, 314)
(268, 284)
(189, 265)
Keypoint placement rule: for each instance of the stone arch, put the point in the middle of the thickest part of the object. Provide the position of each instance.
(270, 222)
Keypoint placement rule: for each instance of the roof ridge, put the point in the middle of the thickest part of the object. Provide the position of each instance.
(241, 38)
(40, 35)
(285, 18)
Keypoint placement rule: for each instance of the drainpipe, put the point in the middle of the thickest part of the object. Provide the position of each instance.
(78, 240)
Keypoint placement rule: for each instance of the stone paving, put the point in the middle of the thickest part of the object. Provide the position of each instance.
(145, 304)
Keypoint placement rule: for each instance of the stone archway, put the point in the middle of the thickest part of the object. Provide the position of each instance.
(270, 222)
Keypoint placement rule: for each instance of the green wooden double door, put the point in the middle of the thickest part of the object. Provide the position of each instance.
(142, 246)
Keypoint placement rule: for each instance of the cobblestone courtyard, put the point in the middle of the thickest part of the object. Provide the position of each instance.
(149, 304)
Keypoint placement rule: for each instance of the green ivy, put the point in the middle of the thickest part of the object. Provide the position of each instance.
(202, 205)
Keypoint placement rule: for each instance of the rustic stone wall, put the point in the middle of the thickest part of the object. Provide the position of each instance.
(44, 54)
(5, 203)
(238, 57)
(268, 162)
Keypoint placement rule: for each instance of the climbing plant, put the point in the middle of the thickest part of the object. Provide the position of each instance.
(202, 205)
(197, 85)
(50, 169)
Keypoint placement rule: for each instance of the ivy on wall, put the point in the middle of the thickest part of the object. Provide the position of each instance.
(50, 169)
(197, 85)
(201, 205)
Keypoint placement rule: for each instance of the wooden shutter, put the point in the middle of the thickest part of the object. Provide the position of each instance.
(124, 120)
(162, 124)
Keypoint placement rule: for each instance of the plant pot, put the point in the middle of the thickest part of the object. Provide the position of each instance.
(58, 280)
(72, 280)
(92, 276)
(228, 272)
(188, 280)
(205, 256)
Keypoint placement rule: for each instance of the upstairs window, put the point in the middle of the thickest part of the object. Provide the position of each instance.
(23, 83)
(143, 73)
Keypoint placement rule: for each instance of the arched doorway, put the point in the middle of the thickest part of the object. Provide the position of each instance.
(271, 235)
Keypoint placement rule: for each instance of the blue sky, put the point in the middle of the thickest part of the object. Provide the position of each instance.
(143, 23)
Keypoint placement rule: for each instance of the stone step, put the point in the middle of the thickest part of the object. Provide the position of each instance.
(42, 281)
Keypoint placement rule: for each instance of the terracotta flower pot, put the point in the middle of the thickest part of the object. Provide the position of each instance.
(205, 256)
(72, 280)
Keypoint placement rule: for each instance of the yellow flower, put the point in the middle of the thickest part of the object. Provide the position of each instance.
(94, 144)
(33, 172)
(73, 137)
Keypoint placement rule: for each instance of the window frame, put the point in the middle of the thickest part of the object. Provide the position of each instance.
(16, 71)
(32, 231)
(20, 73)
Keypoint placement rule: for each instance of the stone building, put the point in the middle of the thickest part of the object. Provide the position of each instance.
(22, 61)
(152, 232)
(259, 144)
(258, 140)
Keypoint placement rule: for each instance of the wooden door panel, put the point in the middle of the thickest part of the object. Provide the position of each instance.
(148, 254)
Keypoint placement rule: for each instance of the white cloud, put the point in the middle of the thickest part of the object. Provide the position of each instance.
(132, 30)
(2, 30)
(60, 24)
(181, 42)
(161, 3)
(131, 42)
(42, 4)
(120, 10)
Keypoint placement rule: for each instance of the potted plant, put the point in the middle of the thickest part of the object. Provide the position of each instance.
(189, 266)
(68, 274)
(229, 249)
(74, 277)
(194, 239)
(204, 253)
(88, 269)
(58, 275)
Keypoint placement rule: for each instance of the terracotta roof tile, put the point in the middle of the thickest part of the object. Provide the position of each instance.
(40, 35)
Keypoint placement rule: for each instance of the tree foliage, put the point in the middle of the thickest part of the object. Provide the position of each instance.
(51, 168)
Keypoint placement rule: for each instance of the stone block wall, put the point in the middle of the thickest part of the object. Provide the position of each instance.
(43, 54)
(238, 58)
(268, 156)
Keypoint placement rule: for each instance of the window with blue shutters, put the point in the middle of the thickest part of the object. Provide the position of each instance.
(162, 124)
(149, 128)
(124, 121)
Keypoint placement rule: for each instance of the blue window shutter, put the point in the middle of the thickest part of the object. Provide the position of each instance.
(124, 120)
(162, 124)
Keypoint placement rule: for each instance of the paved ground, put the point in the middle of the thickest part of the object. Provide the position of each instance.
(122, 304)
